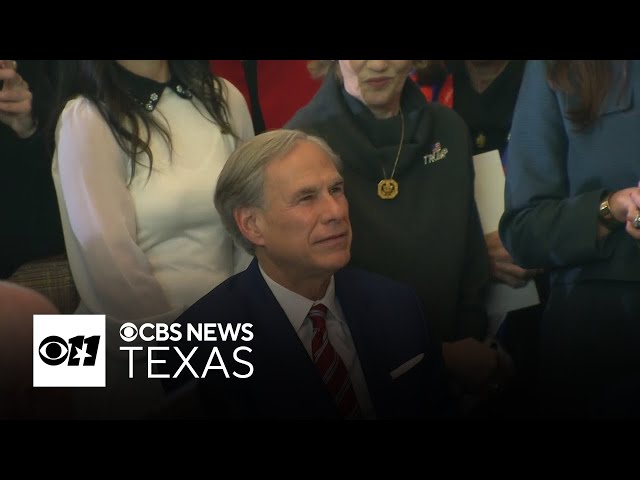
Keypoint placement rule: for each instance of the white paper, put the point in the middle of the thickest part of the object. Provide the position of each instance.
(489, 189)
(489, 194)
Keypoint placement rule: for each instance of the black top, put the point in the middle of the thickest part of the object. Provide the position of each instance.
(488, 114)
(28, 207)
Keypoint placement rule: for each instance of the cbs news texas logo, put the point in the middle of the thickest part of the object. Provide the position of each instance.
(69, 351)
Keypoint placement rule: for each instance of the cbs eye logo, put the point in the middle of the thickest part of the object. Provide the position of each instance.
(69, 351)
(128, 332)
(78, 350)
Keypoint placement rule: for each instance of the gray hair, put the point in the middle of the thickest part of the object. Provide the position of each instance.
(241, 182)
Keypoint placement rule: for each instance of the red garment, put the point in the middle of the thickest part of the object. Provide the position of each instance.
(284, 86)
(445, 91)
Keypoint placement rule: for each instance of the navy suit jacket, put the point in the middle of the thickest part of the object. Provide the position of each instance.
(387, 326)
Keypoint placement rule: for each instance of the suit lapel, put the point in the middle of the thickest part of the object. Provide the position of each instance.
(362, 321)
(282, 365)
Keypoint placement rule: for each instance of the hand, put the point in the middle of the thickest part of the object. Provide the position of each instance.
(625, 206)
(503, 269)
(472, 363)
(632, 212)
(15, 101)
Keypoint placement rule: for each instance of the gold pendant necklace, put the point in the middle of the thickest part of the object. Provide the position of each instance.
(388, 187)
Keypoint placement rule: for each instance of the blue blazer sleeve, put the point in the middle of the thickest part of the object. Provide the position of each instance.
(543, 224)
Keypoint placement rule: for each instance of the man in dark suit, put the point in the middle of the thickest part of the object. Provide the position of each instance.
(324, 340)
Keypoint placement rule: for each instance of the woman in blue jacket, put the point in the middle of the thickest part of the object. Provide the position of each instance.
(572, 198)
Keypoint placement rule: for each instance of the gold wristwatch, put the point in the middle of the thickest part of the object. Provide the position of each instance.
(605, 216)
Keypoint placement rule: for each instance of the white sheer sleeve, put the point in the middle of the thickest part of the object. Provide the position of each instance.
(243, 127)
(91, 172)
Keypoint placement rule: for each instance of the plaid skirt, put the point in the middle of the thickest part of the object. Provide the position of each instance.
(50, 276)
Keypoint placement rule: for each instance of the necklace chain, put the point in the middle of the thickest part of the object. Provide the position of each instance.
(395, 164)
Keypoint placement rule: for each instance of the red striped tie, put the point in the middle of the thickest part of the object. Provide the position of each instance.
(331, 367)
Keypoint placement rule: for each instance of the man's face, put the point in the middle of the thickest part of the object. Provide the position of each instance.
(304, 223)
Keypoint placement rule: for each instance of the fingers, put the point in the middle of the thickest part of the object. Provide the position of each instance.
(633, 223)
(633, 231)
(12, 81)
(15, 96)
(512, 274)
(10, 76)
(9, 64)
(12, 64)
(16, 100)
(8, 67)
(20, 107)
(503, 268)
(633, 215)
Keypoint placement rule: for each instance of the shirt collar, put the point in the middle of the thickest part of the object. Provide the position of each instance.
(295, 306)
(147, 92)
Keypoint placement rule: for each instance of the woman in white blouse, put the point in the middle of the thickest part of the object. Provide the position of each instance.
(139, 146)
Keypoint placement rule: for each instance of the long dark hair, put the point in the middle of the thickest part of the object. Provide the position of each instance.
(131, 123)
(588, 80)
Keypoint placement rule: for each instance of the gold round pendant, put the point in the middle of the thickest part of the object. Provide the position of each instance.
(387, 189)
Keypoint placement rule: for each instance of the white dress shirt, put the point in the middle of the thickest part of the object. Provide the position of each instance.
(297, 307)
